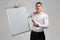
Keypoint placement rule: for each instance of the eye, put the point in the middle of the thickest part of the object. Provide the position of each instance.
(37, 6)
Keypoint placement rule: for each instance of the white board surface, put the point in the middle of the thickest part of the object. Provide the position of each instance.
(18, 21)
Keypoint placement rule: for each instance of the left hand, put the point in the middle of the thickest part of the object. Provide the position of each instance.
(17, 6)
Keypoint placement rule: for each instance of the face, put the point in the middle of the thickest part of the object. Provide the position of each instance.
(38, 7)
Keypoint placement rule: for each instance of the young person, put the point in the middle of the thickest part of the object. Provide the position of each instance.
(39, 23)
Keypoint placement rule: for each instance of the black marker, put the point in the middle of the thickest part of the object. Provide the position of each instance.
(34, 22)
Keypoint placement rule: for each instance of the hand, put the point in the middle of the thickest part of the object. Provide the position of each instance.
(17, 6)
(35, 24)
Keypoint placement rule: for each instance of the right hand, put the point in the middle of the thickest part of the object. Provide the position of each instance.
(35, 24)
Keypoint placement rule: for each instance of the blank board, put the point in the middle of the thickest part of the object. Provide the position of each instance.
(18, 20)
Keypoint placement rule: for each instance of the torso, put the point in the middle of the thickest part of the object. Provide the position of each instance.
(39, 18)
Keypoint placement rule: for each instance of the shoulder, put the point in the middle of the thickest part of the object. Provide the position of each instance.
(32, 14)
(45, 14)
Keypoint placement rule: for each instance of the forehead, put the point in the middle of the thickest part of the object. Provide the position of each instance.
(38, 5)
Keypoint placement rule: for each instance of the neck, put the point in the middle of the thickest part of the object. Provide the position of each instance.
(38, 12)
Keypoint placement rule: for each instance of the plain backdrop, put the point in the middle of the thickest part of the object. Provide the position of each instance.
(51, 7)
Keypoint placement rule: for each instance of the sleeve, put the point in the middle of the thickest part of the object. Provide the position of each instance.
(29, 21)
(45, 22)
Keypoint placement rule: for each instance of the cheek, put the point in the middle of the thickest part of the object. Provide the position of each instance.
(37, 7)
(40, 7)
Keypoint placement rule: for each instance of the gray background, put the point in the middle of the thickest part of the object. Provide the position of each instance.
(51, 7)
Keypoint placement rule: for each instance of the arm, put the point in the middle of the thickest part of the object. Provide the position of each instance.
(33, 22)
(45, 23)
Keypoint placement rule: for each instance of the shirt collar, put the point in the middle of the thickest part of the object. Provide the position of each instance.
(39, 13)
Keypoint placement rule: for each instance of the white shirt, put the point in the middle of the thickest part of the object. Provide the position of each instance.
(41, 19)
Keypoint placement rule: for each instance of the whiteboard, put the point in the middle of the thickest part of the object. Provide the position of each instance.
(18, 20)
